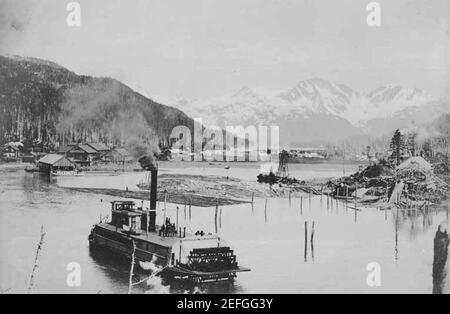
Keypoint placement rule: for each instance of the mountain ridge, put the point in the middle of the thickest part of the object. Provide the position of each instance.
(44, 102)
(355, 113)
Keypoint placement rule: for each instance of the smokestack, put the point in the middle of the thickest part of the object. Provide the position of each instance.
(153, 199)
(148, 164)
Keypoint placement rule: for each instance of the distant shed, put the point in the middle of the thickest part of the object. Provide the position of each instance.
(54, 162)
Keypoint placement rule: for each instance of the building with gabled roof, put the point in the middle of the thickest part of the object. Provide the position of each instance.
(118, 155)
(99, 147)
(54, 162)
(81, 154)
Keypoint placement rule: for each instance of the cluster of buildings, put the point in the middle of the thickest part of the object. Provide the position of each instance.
(88, 154)
(11, 151)
(66, 158)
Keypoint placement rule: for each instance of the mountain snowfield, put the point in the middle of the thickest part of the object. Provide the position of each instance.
(317, 110)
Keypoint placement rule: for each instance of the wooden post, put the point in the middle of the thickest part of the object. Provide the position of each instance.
(301, 205)
(337, 202)
(265, 211)
(441, 244)
(312, 240)
(309, 199)
(185, 205)
(215, 215)
(130, 278)
(179, 256)
(165, 200)
(356, 203)
(306, 241)
(321, 196)
(165, 203)
(346, 197)
(177, 218)
(396, 234)
(190, 207)
(253, 197)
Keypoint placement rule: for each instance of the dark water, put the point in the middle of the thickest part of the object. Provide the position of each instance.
(270, 242)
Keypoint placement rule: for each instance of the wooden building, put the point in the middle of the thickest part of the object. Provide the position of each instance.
(81, 154)
(52, 163)
(11, 152)
(100, 148)
(118, 155)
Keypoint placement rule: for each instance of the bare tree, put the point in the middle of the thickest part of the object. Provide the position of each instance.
(35, 266)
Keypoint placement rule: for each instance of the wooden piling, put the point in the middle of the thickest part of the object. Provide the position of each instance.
(312, 240)
(215, 215)
(165, 200)
(177, 220)
(321, 196)
(356, 203)
(441, 244)
(306, 241)
(265, 211)
(190, 207)
(301, 205)
(165, 204)
(310, 199)
(346, 197)
(337, 197)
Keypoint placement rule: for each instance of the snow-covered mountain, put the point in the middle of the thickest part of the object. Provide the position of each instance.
(317, 110)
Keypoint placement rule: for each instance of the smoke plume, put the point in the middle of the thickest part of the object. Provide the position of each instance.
(104, 110)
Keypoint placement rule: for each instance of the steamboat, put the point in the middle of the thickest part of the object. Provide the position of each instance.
(132, 233)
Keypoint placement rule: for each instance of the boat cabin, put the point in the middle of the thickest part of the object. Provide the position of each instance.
(125, 215)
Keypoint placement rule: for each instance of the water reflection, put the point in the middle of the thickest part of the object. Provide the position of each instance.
(269, 236)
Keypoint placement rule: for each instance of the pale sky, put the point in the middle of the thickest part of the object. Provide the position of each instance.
(198, 48)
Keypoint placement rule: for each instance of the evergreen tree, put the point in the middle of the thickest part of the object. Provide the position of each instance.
(397, 147)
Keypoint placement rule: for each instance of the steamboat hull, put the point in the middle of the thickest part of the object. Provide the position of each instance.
(153, 251)
(121, 244)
